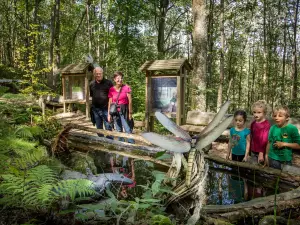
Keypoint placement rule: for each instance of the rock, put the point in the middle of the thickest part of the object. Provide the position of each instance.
(80, 161)
(70, 174)
(101, 160)
(269, 220)
(291, 169)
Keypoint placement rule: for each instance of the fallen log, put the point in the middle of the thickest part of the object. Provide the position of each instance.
(291, 179)
(89, 147)
(109, 133)
(255, 207)
(86, 142)
(111, 144)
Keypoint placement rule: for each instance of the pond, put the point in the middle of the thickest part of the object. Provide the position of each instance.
(226, 186)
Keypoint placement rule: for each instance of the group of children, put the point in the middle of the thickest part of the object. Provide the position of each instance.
(270, 145)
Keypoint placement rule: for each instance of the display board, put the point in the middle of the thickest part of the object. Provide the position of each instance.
(164, 94)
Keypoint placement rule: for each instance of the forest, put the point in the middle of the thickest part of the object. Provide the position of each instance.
(242, 51)
(253, 44)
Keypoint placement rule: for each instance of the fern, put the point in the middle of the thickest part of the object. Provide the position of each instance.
(31, 159)
(23, 131)
(39, 188)
(41, 175)
(73, 188)
(16, 145)
(28, 132)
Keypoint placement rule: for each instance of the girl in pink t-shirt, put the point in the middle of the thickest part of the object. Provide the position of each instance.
(124, 116)
(259, 131)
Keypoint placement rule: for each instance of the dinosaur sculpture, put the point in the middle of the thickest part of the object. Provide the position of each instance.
(100, 181)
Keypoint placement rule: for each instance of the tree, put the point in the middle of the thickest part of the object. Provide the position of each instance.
(199, 55)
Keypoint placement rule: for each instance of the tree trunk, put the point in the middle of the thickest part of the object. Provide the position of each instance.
(263, 84)
(88, 27)
(163, 6)
(51, 80)
(210, 54)
(283, 61)
(199, 55)
(295, 71)
(220, 90)
(57, 34)
(257, 207)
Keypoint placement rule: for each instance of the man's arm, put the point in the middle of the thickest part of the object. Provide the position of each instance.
(91, 89)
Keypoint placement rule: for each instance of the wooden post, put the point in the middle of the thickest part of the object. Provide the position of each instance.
(148, 102)
(64, 92)
(184, 87)
(179, 100)
(87, 97)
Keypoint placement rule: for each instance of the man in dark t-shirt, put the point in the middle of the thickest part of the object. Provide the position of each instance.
(99, 88)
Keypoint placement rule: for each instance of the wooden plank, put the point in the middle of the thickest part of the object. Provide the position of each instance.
(74, 101)
(198, 118)
(184, 94)
(87, 97)
(198, 129)
(179, 102)
(171, 64)
(75, 68)
(64, 93)
(147, 103)
(163, 75)
(139, 124)
(204, 118)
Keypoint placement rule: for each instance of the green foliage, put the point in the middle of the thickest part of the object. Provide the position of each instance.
(50, 128)
(10, 72)
(160, 220)
(17, 112)
(17, 97)
(28, 132)
(142, 209)
(74, 188)
(3, 89)
(39, 188)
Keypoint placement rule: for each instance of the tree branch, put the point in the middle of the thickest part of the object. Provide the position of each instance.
(172, 28)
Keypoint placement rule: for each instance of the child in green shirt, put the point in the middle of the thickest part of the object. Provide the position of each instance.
(283, 138)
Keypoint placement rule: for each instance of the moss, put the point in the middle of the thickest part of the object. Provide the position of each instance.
(160, 220)
(79, 162)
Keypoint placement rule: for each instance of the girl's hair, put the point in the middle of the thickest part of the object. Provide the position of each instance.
(261, 104)
(241, 113)
(118, 73)
(282, 108)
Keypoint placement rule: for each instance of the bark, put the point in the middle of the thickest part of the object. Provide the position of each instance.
(199, 55)
(295, 71)
(163, 8)
(57, 33)
(88, 147)
(112, 133)
(110, 144)
(291, 179)
(263, 85)
(51, 49)
(220, 90)
(283, 61)
(255, 207)
(88, 26)
(210, 41)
